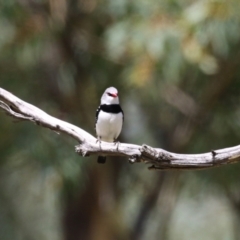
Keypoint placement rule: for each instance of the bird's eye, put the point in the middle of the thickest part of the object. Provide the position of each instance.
(110, 94)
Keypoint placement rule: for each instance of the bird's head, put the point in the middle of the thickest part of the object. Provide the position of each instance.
(110, 96)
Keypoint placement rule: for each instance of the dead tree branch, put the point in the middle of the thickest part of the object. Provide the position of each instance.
(157, 157)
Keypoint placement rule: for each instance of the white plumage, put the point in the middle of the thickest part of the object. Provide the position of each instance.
(109, 118)
(109, 126)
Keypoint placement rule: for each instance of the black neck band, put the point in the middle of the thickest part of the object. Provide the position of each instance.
(113, 108)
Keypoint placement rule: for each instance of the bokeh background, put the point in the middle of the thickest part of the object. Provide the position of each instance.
(177, 67)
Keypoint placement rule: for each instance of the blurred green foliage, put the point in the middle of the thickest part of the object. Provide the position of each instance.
(176, 65)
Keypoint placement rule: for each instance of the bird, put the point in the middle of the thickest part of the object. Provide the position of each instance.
(109, 118)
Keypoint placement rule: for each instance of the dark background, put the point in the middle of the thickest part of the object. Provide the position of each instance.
(176, 65)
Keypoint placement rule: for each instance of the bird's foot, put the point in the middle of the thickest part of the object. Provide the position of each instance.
(117, 143)
(99, 141)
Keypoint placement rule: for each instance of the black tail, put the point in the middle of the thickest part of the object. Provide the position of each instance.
(101, 159)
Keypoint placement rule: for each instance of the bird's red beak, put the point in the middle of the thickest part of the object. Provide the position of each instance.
(114, 95)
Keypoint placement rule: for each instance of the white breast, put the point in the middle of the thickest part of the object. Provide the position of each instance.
(109, 126)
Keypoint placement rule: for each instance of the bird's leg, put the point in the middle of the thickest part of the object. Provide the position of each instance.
(99, 140)
(116, 143)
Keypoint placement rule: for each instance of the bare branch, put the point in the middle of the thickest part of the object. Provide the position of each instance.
(158, 158)
(19, 109)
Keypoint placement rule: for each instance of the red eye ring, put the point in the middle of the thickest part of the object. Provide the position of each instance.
(112, 94)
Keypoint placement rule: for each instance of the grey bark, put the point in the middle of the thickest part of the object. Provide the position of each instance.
(158, 158)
